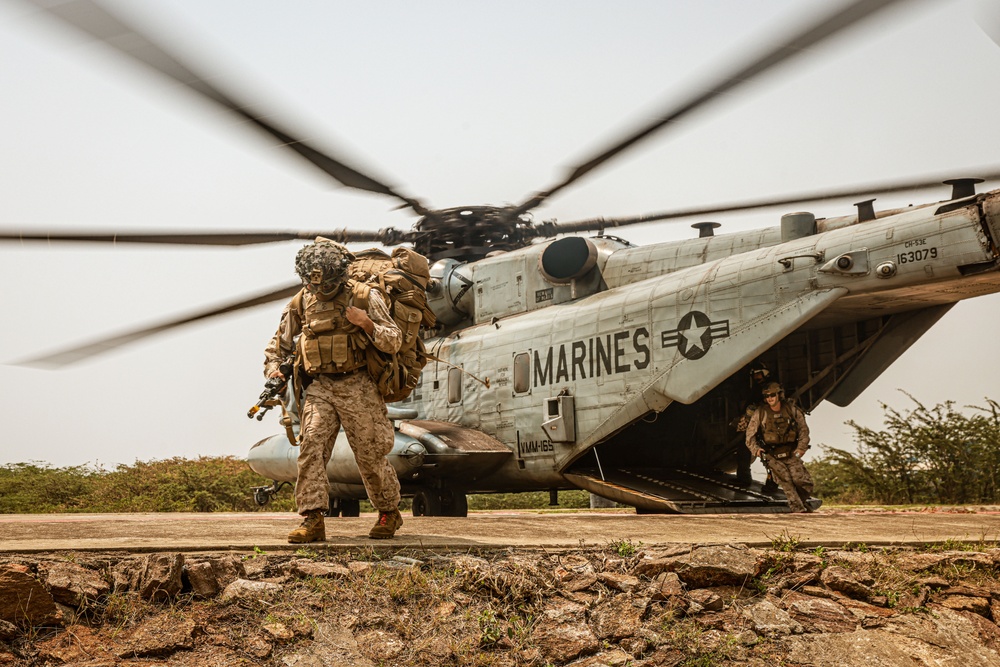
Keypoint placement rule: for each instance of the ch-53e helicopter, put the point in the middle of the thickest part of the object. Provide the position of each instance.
(615, 368)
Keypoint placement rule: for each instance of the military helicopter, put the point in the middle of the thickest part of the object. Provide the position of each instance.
(632, 401)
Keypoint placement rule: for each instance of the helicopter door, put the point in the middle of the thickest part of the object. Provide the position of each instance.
(559, 420)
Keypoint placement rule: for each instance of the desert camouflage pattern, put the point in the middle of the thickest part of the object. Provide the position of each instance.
(354, 403)
(793, 478)
(351, 401)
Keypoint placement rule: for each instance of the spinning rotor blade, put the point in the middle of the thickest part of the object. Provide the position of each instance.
(89, 17)
(989, 20)
(829, 26)
(388, 236)
(81, 352)
(992, 174)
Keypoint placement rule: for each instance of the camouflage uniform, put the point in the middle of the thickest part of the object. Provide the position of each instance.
(786, 439)
(352, 401)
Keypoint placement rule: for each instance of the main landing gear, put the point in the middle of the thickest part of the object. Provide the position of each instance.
(432, 502)
(346, 507)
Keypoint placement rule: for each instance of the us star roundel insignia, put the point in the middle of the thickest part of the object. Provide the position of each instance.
(694, 334)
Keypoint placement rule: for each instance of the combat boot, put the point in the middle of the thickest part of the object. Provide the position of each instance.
(311, 530)
(387, 525)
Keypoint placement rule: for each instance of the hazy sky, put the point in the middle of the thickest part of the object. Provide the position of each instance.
(457, 103)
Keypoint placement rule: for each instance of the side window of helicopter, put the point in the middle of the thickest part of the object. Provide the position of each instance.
(455, 385)
(522, 372)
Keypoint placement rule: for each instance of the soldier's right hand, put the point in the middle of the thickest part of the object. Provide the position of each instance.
(277, 374)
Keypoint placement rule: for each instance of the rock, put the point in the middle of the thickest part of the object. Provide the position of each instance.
(278, 631)
(359, 567)
(667, 584)
(202, 580)
(820, 615)
(615, 658)
(7, 631)
(619, 617)
(159, 636)
(562, 633)
(625, 583)
(331, 645)
(310, 568)
(243, 590)
(934, 582)
(980, 606)
(579, 582)
(705, 567)
(160, 577)
(843, 580)
(790, 581)
(944, 638)
(766, 618)
(74, 585)
(380, 646)
(635, 646)
(708, 600)
(869, 615)
(23, 598)
(721, 620)
(78, 645)
(125, 575)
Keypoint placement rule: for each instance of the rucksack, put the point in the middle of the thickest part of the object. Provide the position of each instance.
(403, 277)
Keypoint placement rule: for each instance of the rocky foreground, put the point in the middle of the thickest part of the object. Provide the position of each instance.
(623, 604)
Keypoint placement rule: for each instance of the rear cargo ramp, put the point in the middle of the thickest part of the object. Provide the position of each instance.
(679, 491)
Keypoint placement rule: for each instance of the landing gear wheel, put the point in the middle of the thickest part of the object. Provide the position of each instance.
(261, 496)
(426, 503)
(455, 504)
(344, 507)
(350, 507)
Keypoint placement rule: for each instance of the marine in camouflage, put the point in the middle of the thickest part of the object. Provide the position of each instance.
(784, 440)
(333, 400)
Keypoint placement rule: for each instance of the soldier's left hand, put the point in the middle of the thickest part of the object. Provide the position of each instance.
(357, 317)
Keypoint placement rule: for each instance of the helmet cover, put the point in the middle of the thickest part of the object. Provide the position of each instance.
(322, 266)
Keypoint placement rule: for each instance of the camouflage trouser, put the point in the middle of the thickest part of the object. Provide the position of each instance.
(354, 403)
(793, 478)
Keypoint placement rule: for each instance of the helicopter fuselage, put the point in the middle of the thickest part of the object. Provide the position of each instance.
(605, 359)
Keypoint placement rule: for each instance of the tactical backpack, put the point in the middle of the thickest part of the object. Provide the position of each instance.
(403, 277)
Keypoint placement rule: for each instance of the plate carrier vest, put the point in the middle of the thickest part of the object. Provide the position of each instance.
(329, 343)
(778, 428)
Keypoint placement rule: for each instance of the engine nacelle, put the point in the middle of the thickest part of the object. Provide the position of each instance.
(449, 293)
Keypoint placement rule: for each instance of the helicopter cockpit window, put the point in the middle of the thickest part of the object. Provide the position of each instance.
(522, 372)
(455, 385)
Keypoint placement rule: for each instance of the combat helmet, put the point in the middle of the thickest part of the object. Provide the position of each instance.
(323, 266)
(759, 367)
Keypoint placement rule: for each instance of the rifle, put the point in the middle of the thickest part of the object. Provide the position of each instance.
(272, 387)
